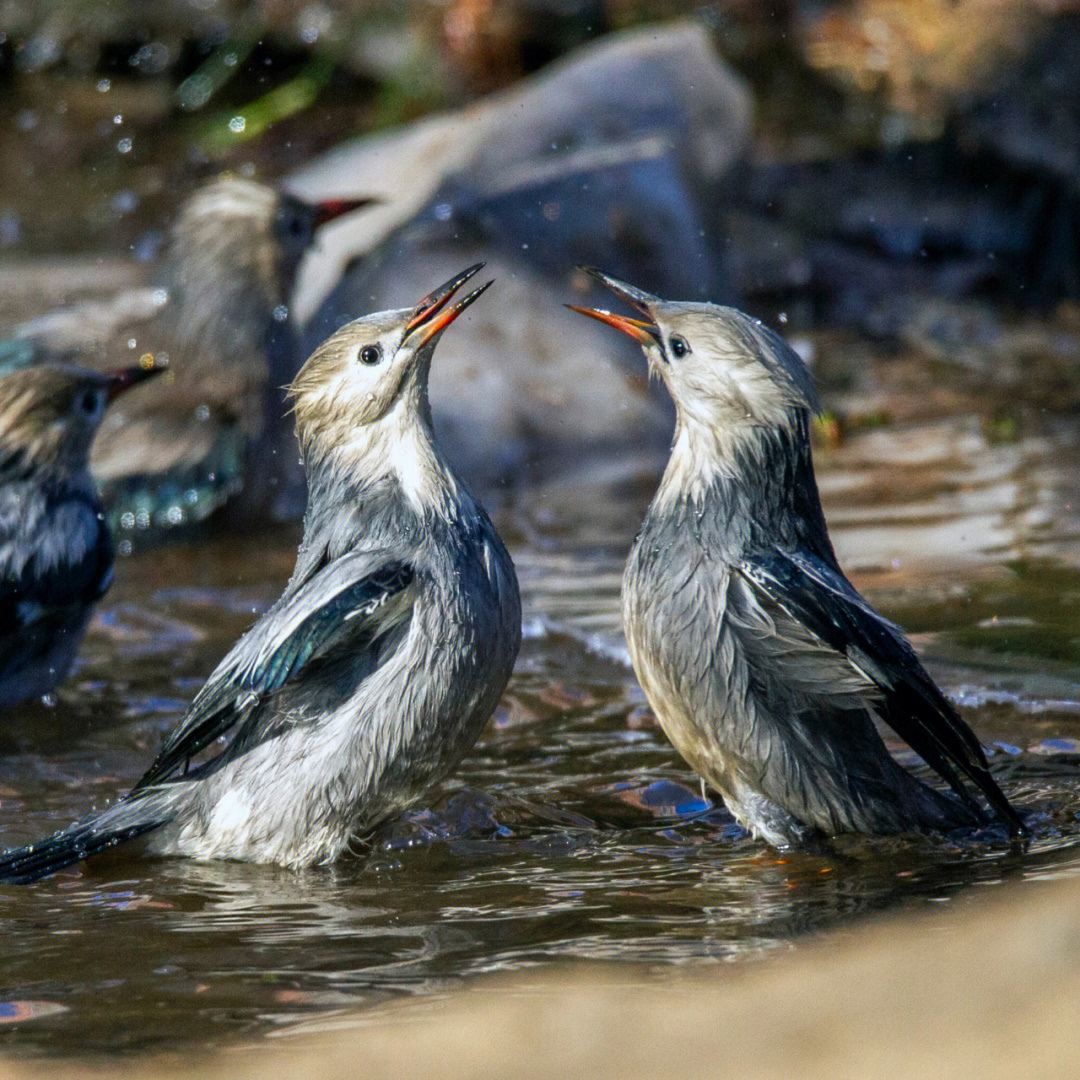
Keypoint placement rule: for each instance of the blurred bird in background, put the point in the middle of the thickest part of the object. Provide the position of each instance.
(764, 666)
(212, 432)
(381, 662)
(56, 554)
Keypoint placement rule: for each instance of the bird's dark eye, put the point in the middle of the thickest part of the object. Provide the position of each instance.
(370, 354)
(89, 402)
(678, 347)
(296, 227)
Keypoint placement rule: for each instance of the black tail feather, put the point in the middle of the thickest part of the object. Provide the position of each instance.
(117, 825)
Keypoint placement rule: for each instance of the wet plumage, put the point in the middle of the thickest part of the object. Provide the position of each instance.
(381, 662)
(56, 555)
(763, 664)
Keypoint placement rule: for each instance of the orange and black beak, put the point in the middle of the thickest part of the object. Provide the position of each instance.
(122, 379)
(432, 314)
(645, 331)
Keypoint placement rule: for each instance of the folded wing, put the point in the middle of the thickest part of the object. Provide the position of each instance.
(356, 598)
(812, 602)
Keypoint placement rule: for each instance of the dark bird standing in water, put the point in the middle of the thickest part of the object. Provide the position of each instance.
(56, 556)
(213, 432)
(762, 663)
(381, 662)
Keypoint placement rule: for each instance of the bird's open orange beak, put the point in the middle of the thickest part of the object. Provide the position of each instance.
(433, 315)
(645, 331)
(641, 331)
(329, 209)
(122, 379)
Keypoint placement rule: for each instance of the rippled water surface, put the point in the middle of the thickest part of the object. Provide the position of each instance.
(572, 830)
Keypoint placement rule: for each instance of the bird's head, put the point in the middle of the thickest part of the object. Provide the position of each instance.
(49, 413)
(295, 223)
(725, 371)
(368, 382)
(234, 254)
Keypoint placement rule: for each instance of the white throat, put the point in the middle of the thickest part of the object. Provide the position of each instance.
(700, 455)
(399, 446)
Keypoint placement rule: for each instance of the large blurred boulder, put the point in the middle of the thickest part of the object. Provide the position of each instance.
(969, 190)
(620, 156)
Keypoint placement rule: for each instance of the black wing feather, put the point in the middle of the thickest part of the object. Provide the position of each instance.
(826, 603)
(343, 597)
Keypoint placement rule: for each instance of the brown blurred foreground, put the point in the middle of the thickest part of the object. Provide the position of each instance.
(980, 990)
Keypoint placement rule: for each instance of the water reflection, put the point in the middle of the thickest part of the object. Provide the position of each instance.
(572, 831)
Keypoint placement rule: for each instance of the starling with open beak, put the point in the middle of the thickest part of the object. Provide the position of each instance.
(762, 663)
(381, 662)
(56, 555)
(213, 433)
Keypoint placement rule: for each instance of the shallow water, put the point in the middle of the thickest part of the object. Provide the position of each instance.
(572, 831)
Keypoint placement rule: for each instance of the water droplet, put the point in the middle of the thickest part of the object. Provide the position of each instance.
(123, 202)
(281, 313)
(124, 146)
(237, 125)
(103, 86)
(782, 318)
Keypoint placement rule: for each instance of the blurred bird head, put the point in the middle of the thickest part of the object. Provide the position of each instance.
(725, 371)
(234, 254)
(49, 414)
(367, 383)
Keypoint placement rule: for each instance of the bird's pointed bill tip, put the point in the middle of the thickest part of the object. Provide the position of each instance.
(122, 379)
(444, 318)
(425, 312)
(327, 210)
(645, 333)
(631, 294)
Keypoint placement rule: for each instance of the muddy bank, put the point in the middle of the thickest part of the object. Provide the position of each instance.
(934, 995)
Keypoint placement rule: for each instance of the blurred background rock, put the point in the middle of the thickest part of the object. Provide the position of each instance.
(880, 177)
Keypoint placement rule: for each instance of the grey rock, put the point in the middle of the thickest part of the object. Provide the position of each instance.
(621, 155)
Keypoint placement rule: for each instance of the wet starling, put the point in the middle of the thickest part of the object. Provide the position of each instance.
(213, 432)
(56, 556)
(381, 662)
(762, 663)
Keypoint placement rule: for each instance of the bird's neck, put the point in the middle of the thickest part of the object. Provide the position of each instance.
(227, 303)
(745, 488)
(48, 462)
(391, 468)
